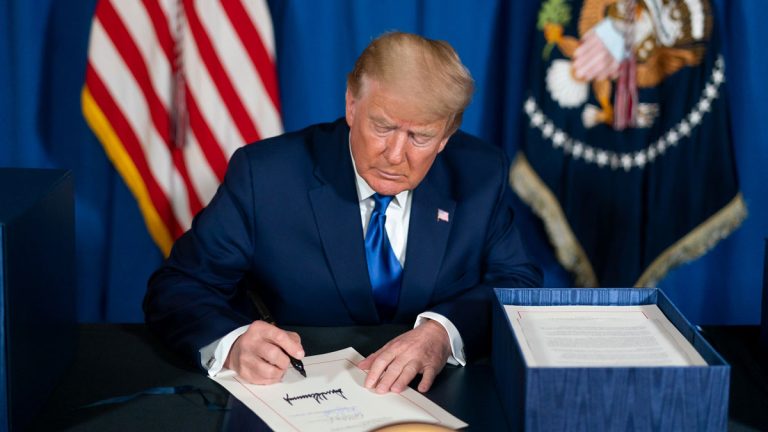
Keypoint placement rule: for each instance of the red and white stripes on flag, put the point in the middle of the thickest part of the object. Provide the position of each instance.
(172, 89)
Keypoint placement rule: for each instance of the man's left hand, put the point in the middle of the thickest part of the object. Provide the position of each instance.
(423, 350)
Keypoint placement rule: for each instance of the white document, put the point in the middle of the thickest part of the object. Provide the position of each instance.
(599, 336)
(333, 398)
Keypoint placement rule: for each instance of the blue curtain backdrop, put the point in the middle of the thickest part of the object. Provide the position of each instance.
(43, 48)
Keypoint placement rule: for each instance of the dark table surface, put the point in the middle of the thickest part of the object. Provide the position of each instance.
(115, 360)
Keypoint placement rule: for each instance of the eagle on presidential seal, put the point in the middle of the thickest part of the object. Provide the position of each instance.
(655, 38)
(627, 158)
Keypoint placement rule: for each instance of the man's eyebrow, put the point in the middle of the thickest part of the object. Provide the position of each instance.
(426, 133)
(381, 121)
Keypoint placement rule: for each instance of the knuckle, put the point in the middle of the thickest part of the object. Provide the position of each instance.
(257, 327)
(380, 364)
(282, 362)
(273, 333)
(279, 335)
(429, 371)
(272, 354)
(387, 356)
(411, 369)
(391, 372)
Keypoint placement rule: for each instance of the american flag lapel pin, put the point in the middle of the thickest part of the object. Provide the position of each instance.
(442, 215)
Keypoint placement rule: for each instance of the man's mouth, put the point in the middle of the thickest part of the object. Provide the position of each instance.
(389, 175)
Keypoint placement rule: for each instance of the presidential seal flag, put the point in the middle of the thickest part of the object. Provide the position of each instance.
(172, 89)
(627, 156)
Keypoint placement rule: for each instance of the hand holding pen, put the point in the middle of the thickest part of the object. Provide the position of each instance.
(264, 352)
(262, 309)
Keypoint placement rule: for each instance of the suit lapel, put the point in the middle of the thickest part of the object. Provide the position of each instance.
(337, 214)
(427, 240)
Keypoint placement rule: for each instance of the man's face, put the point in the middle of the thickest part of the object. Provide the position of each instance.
(393, 141)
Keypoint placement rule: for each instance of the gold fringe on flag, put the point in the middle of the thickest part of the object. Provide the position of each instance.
(697, 242)
(529, 186)
(127, 169)
(532, 190)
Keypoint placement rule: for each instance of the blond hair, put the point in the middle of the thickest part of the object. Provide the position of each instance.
(429, 70)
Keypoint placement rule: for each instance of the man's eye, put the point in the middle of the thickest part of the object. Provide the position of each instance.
(420, 140)
(382, 129)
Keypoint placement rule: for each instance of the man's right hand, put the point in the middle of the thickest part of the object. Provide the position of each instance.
(259, 355)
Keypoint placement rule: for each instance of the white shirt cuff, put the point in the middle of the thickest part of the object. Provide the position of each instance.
(213, 355)
(457, 344)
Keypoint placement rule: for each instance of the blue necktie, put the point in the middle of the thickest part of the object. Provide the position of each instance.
(383, 267)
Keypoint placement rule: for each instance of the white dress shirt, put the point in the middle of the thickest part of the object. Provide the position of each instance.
(398, 218)
(398, 213)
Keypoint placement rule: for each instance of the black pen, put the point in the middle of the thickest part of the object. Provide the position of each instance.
(261, 308)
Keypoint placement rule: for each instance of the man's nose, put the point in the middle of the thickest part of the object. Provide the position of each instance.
(395, 151)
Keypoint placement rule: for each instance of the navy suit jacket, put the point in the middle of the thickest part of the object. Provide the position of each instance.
(287, 215)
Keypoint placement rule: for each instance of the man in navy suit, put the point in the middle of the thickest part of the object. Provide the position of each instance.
(388, 215)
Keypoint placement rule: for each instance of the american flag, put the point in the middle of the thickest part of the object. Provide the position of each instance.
(442, 215)
(172, 89)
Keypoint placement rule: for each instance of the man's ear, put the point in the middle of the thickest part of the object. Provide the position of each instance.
(443, 143)
(349, 107)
